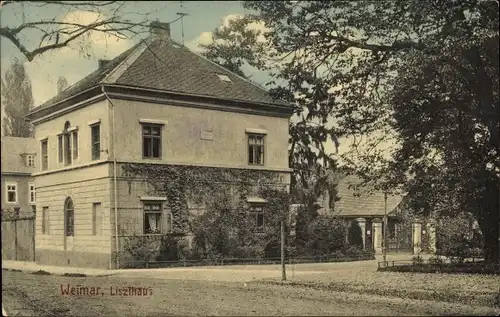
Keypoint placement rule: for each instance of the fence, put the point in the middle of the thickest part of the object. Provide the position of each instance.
(18, 239)
(172, 251)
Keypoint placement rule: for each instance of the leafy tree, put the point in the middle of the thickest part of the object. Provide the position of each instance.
(17, 100)
(422, 73)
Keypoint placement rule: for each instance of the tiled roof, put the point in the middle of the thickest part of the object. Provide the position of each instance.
(368, 203)
(165, 65)
(13, 149)
(91, 80)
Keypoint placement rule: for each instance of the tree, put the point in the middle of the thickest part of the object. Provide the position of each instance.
(17, 100)
(350, 67)
(62, 83)
(110, 18)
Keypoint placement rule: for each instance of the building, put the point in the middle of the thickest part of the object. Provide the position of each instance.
(157, 103)
(18, 186)
(368, 207)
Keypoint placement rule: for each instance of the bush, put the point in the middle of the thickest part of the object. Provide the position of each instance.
(435, 260)
(354, 235)
(455, 238)
(326, 235)
(417, 260)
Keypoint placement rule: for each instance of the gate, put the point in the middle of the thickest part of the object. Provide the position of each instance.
(18, 239)
(402, 240)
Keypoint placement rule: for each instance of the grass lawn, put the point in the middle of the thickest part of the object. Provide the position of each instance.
(41, 294)
(472, 289)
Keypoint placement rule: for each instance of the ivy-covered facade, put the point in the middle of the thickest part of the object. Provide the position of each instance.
(127, 154)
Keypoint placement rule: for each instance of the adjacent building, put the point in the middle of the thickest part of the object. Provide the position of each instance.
(18, 186)
(157, 103)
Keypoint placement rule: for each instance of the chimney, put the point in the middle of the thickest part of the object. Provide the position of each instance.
(103, 62)
(159, 30)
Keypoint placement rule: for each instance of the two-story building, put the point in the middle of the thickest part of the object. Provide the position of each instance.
(18, 186)
(157, 103)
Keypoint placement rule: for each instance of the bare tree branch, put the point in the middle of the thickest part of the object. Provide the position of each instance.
(57, 33)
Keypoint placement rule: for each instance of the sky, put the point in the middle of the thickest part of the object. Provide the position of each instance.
(74, 63)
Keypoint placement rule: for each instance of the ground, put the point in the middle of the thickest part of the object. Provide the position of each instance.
(320, 289)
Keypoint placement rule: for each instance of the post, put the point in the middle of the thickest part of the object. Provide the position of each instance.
(384, 248)
(34, 238)
(283, 269)
(15, 239)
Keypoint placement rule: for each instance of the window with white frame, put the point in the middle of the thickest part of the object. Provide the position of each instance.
(30, 160)
(95, 141)
(152, 217)
(11, 194)
(32, 193)
(256, 214)
(68, 144)
(256, 149)
(45, 154)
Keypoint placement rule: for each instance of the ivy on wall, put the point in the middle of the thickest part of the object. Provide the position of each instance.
(199, 184)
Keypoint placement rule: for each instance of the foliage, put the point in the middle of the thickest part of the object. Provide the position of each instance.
(419, 266)
(326, 235)
(224, 228)
(355, 234)
(225, 231)
(417, 260)
(421, 74)
(456, 238)
(62, 84)
(172, 248)
(17, 100)
(198, 184)
(141, 248)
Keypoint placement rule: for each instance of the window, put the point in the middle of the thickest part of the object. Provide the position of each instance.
(96, 141)
(257, 217)
(67, 148)
(45, 220)
(224, 78)
(152, 218)
(96, 219)
(33, 209)
(45, 154)
(68, 144)
(151, 141)
(69, 218)
(11, 193)
(30, 160)
(255, 149)
(60, 147)
(75, 145)
(32, 193)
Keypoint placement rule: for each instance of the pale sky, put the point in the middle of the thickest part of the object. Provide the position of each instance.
(44, 71)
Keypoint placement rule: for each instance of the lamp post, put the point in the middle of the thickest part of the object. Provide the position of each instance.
(384, 249)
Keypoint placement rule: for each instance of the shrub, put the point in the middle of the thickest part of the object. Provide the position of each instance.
(141, 248)
(455, 238)
(435, 260)
(326, 235)
(417, 260)
(354, 235)
(353, 251)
